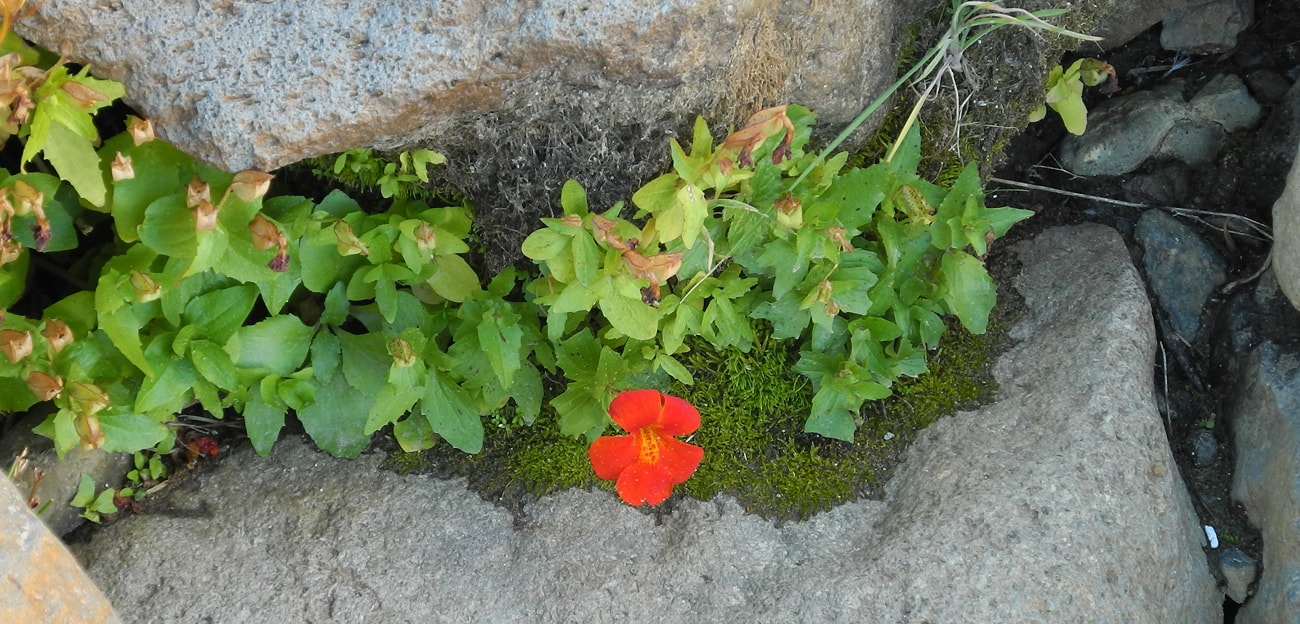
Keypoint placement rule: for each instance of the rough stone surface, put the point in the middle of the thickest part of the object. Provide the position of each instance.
(1239, 570)
(59, 478)
(1059, 503)
(1263, 359)
(1124, 133)
(1206, 27)
(256, 84)
(40, 581)
(1286, 236)
(1181, 267)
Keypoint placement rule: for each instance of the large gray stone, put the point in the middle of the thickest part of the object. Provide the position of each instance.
(1059, 503)
(1264, 367)
(1182, 268)
(1286, 234)
(40, 581)
(263, 84)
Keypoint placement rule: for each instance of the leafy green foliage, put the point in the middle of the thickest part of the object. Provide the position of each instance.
(217, 296)
(858, 265)
(1065, 91)
(95, 505)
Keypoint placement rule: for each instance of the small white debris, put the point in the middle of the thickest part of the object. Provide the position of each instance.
(1212, 536)
(889, 436)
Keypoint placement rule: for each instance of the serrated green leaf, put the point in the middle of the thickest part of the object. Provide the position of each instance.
(451, 413)
(391, 402)
(365, 361)
(969, 292)
(74, 158)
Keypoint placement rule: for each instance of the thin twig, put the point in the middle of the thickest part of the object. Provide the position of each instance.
(1260, 228)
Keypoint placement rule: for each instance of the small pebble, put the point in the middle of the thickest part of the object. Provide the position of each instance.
(1205, 449)
(1212, 536)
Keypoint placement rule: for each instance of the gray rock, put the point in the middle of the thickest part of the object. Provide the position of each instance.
(1205, 449)
(1118, 27)
(59, 478)
(1265, 417)
(40, 581)
(1059, 503)
(1239, 571)
(1124, 132)
(1181, 267)
(1206, 27)
(1286, 236)
(1267, 85)
(263, 84)
(1226, 101)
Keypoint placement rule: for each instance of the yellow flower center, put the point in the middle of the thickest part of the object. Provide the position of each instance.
(647, 444)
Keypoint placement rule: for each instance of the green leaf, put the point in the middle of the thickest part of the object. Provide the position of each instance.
(169, 227)
(500, 337)
(694, 209)
(631, 317)
(76, 161)
(413, 433)
(263, 423)
(213, 363)
(169, 390)
(657, 195)
(365, 361)
(85, 492)
(454, 280)
(544, 244)
(586, 257)
(336, 421)
(390, 404)
(969, 292)
(573, 198)
(219, 313)
(129, 432)
(13, 279)
(278, 344)
(451, 413)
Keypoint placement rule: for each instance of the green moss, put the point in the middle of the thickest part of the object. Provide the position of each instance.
(753, 406)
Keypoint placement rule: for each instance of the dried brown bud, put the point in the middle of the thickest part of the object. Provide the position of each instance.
(141, 130)
(280, 263)
(10, 250)
(15, 344)
(789, 211)
(251, 184)
(57, 334)
(83, 96)
(205, 216)
(121, 168)
(43, 385)
(402, 352)
(265, 234)
(197, 192)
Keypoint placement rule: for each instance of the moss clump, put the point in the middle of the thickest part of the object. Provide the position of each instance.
(753, 406)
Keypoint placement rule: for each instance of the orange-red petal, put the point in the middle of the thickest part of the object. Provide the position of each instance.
(679, 459)
(611, 455)
(644, 484)
(634, 409)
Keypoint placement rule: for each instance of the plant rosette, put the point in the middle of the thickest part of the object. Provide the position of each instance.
(650, 460)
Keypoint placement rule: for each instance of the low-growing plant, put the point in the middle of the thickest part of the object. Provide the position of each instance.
(213, 294)
(95, 506)
(1065, 91)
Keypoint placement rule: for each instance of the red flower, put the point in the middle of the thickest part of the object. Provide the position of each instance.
(648, 462)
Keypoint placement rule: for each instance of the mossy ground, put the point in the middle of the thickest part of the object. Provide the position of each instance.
(753, 406)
